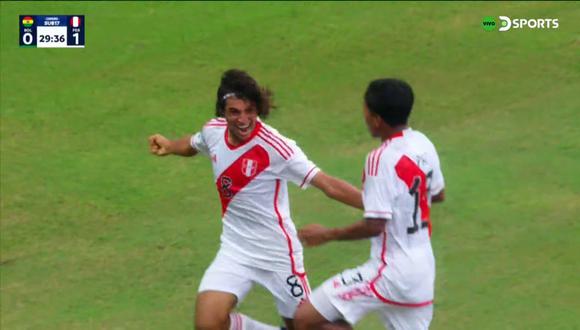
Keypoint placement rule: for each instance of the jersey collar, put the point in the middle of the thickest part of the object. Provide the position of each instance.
(396, 135)
(254, 133)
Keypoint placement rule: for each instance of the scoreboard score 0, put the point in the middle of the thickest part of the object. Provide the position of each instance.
(58, 31)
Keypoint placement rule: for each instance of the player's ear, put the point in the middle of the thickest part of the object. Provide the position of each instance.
(376, 120)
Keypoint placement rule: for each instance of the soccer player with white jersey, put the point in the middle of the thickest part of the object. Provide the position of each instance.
(401, 179)
(252, 163)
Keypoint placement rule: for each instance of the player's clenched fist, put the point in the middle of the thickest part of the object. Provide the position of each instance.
(159, 145)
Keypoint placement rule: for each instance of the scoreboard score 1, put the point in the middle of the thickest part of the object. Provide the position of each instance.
(59, 31)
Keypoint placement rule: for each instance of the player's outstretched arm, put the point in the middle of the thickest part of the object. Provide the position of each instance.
(338, 189)
(315, 234)
(161, 146)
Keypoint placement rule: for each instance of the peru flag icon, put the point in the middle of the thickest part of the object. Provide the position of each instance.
(75, 21)
(249, 167)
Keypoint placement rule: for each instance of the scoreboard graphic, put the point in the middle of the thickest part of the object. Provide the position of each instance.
(57, 31)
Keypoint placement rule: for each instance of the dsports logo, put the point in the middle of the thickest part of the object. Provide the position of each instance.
(489, 23)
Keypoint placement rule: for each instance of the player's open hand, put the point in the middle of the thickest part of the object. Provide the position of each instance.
(314, 234)
(159, 145)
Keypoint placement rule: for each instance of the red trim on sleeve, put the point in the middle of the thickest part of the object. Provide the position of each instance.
(307, 175)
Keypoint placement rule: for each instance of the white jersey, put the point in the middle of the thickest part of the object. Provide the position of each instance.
(399, 179)
(251, 180)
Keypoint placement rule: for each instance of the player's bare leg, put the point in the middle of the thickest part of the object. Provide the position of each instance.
(308, 318)
(212, 310)
(243, 322)
(289, 323)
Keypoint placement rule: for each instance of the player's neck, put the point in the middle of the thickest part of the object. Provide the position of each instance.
(233, 140)
(388, 132)
(237, 141)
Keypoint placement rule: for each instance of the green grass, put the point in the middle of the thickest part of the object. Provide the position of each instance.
(96, 233)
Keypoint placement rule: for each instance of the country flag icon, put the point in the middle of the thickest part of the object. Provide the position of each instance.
(249, 167)
(27, 21)
(75, 21)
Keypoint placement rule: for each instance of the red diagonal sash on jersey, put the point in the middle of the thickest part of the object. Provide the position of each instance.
(415, 180)
(240, 173)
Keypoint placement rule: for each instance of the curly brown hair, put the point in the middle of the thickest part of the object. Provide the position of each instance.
(240, 84)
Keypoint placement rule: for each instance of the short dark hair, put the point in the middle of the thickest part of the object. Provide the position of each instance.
(392, 99)
(243, 86)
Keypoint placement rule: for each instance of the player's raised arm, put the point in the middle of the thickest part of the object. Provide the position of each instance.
(161, 146)
(338, 189)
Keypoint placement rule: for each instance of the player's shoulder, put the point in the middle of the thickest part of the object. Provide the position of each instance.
(410, 143)
(214, 127)
(277, 143)
(381, 158)
(215, 123)
(419, 138)
(273, 132)
(212, 131)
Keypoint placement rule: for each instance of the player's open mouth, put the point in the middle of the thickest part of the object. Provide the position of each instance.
(244, 129)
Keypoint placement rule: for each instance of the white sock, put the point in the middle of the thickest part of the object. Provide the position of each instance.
(242, 322)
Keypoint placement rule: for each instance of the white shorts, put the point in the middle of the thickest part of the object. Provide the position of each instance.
(348, 296)
(227, 275)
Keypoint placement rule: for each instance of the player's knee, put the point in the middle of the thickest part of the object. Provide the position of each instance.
(211, 321)
(212, 310)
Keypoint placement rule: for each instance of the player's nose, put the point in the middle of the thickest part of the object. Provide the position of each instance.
(243, 119)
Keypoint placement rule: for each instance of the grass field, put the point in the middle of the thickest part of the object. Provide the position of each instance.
(98, 234)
